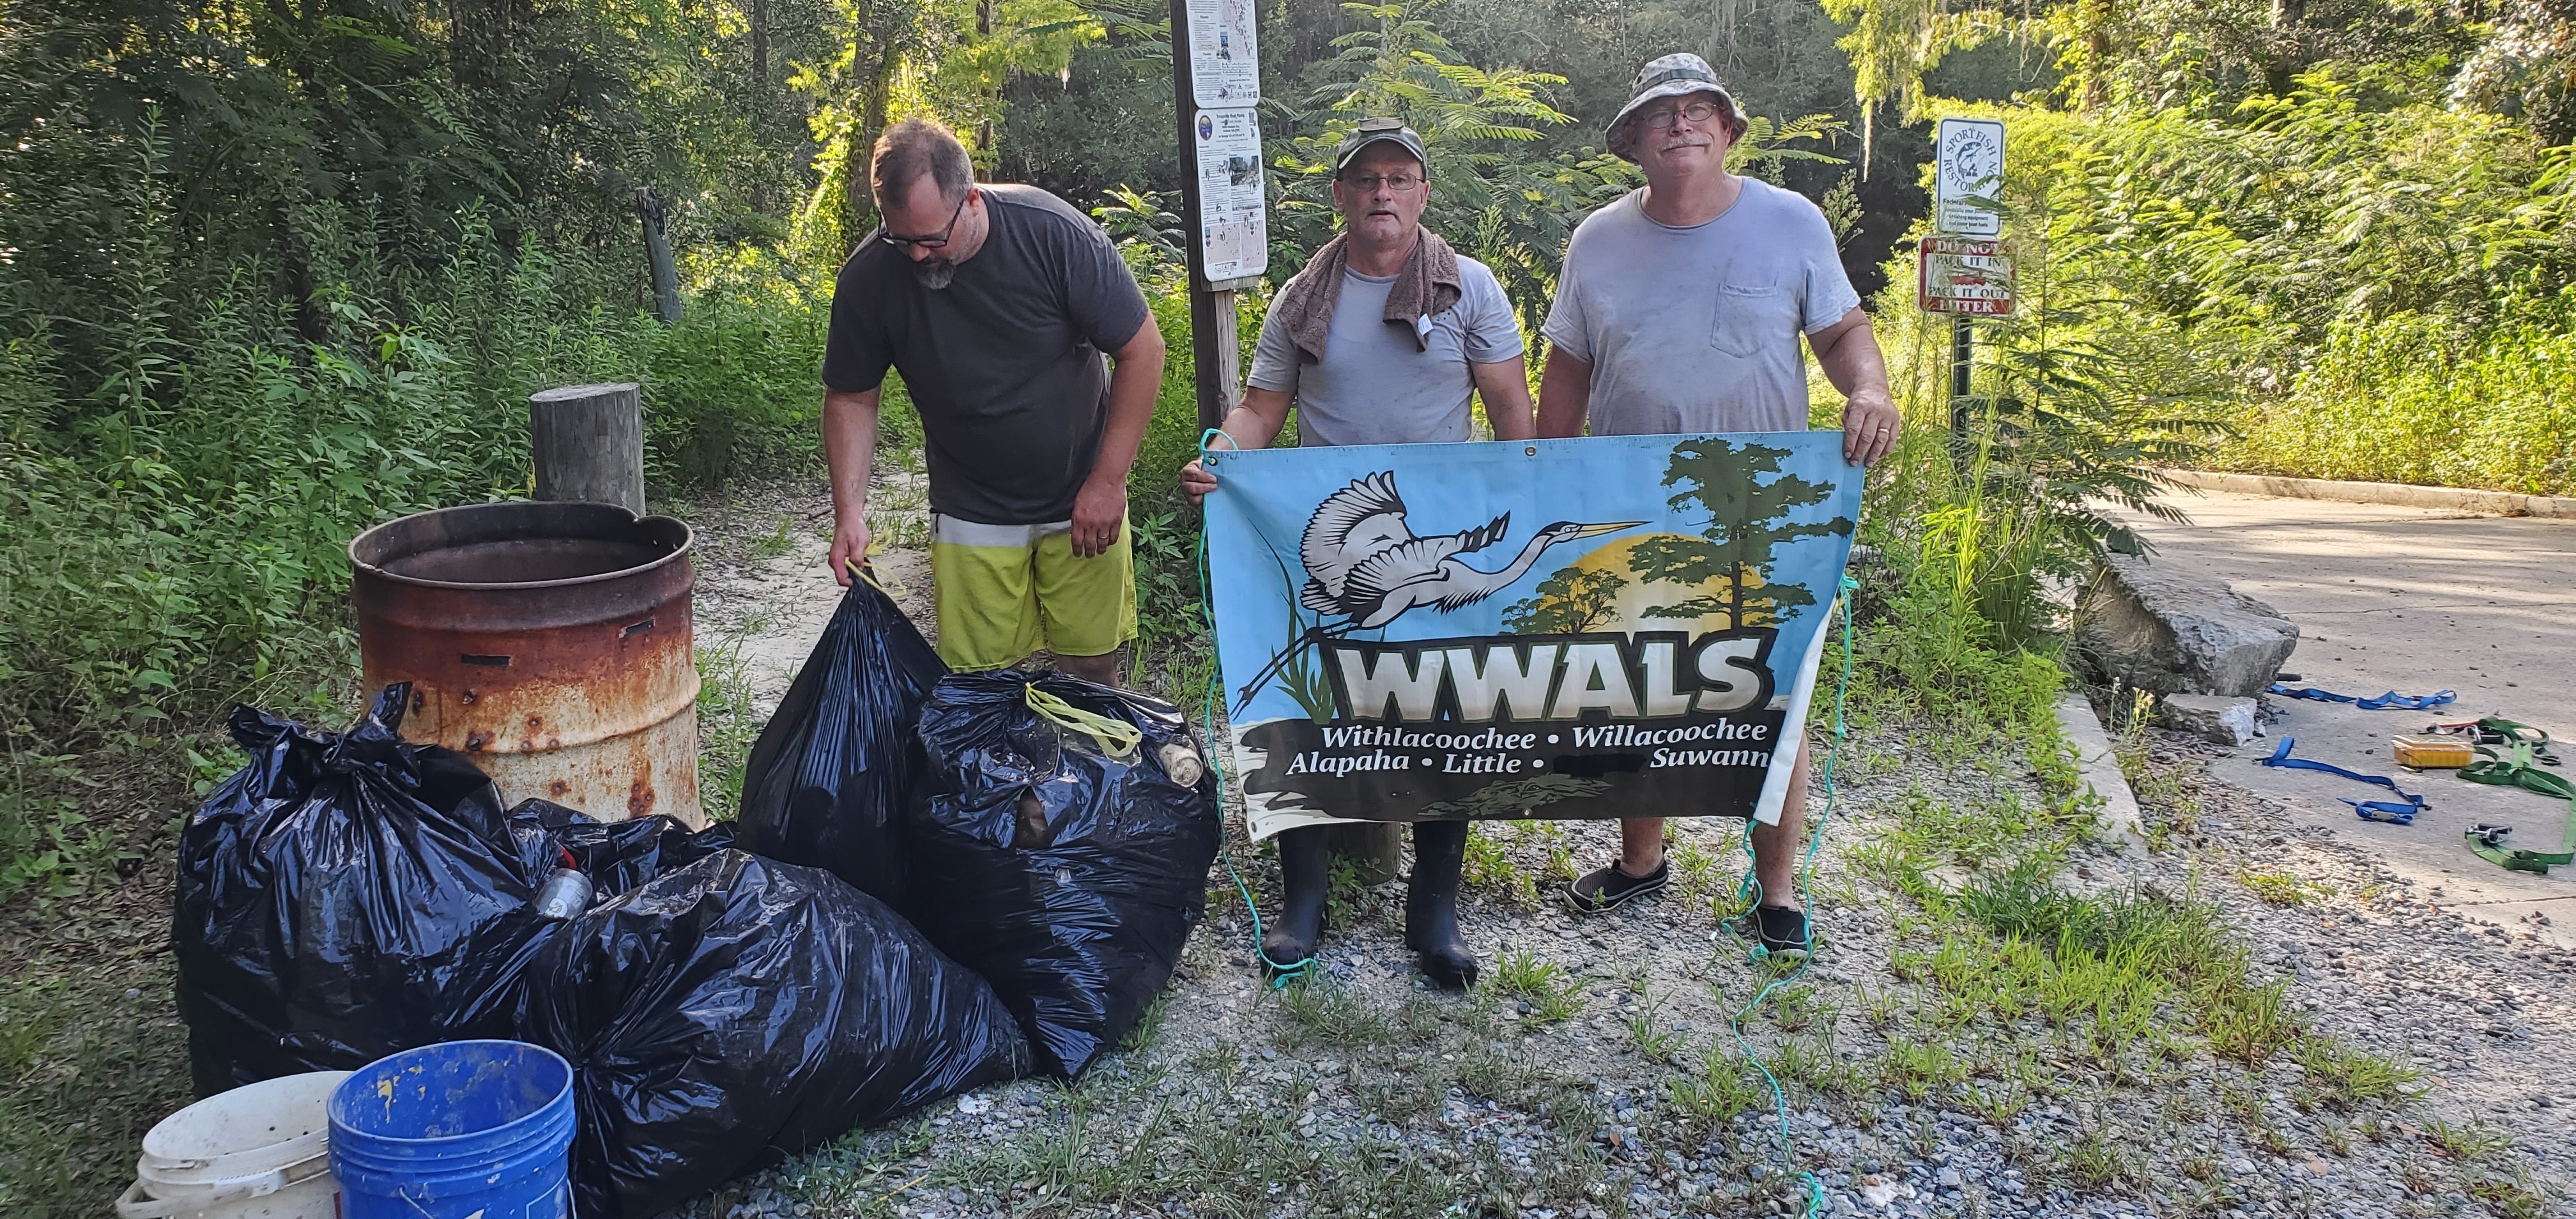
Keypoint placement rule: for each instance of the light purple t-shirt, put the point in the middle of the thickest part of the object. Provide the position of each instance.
(1696, 329)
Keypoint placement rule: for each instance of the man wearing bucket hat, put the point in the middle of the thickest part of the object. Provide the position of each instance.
(1678, 311)
(1384, 338)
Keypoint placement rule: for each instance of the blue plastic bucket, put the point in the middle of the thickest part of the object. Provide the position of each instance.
(455, 1131)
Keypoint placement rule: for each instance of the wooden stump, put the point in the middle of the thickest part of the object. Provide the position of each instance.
(1375, 848)
(588, 444)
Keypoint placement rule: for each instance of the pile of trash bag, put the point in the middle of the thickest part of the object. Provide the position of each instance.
(738, 1011)
(337, 895)
(830, 776)
(347, 896)
(1062, 845)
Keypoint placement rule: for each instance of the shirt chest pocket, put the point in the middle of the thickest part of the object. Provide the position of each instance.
(1752, 317)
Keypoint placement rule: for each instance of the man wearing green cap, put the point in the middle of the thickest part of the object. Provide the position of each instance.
(1384, 338)
(1678, 311)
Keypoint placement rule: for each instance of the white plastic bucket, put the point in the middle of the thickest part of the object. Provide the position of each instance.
(260, 1151)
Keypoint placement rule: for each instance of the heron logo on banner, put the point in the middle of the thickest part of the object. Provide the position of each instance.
(1390, 664)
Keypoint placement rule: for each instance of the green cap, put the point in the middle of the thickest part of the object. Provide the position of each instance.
(1371, 131)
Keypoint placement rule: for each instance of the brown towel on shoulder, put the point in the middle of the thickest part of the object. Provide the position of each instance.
(1426, 287)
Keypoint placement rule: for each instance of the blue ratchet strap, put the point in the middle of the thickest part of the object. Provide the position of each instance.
(2391, 701)
(2368, 810)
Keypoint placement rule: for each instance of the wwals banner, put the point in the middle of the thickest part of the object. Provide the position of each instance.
(1615, 626)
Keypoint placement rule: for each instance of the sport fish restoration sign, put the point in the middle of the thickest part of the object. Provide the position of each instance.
(1615, 626)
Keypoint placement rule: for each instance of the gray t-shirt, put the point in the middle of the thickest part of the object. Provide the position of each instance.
(1696, 329)
(1372, 386)
(1004, 363)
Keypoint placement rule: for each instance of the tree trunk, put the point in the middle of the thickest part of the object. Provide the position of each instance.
(2284, 60)
(657, 252)
(862, 204)
(2094, 18)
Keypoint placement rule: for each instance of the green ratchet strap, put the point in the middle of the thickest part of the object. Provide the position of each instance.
(2517, 771)
(1116, 737)
(2497, 730)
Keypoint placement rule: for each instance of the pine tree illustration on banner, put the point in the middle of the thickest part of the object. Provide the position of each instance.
(1748, 520)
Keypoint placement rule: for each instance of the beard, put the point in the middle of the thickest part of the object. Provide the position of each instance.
(935, 273)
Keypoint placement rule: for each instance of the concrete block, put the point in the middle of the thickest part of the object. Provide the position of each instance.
(2211, 717)
(2173, 631)
(2099, 770)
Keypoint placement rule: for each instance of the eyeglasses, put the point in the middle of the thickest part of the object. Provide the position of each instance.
(1394, 182)
(928, 243)
(1663, 117)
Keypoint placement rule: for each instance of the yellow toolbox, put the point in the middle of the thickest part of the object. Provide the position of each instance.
(2432, 752)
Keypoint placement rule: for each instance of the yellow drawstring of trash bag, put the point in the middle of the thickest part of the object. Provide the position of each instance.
(1117, 737)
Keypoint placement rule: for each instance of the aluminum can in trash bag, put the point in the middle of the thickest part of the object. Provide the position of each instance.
(566, 893)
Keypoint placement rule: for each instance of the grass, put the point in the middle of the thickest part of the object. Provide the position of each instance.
(1647, 1034)
(1490, 870)
(87, 1070)
(2283, 889)
(727, 722)
(1724, 1087)
(2095, 1163)
(2466, 1142)
(1919, 1068)
(1328, 1014)
(778, 544)
(2350, 1077)
(1550, 995)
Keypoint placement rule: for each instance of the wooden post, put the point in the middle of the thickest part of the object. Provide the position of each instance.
(1217, 364)
(1375, 849)
(1214, 359)
(588, 444)
(1962, 353)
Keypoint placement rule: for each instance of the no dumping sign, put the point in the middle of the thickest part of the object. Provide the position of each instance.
(1965, 275)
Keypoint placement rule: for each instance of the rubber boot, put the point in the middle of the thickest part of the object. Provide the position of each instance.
(1431, 905)
(1305, 868)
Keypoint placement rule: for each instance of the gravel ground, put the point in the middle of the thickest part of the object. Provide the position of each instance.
(1594, 1073)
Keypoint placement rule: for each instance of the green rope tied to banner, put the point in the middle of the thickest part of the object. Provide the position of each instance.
(1116, 737)
(1752, 888)
(2517, 771)
(1281, 974)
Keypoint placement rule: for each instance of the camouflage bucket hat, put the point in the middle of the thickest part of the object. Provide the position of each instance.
(1675, 75)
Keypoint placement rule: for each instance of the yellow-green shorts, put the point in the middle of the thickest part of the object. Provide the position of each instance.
(1008, 590)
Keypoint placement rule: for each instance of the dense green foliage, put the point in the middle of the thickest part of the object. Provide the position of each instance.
(2330, 223)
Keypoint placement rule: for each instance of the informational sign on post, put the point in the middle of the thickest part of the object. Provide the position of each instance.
(1234, 214)
(1964, 275)
(1968, 178)
(1225, 65)
(1216, 82)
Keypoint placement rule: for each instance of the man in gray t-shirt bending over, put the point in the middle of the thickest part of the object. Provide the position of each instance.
(1383, 339)
(1679, 311)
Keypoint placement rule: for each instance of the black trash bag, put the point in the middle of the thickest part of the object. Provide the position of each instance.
(1066, 874)
(831, 775)
(739, 1011)
(333, 893)
(615, 855)
(619, 855)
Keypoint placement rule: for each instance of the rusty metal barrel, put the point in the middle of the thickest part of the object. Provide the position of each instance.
(550, 642)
